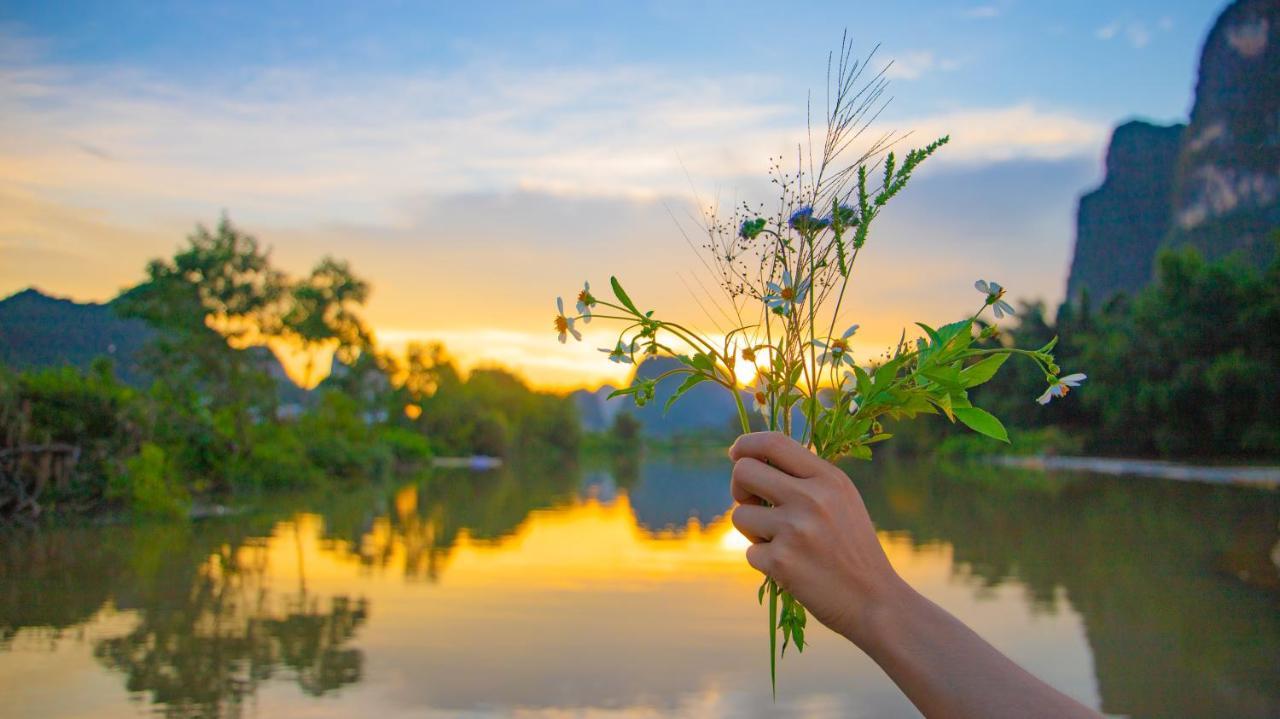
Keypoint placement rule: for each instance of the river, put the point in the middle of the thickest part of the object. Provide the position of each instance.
(617, 588)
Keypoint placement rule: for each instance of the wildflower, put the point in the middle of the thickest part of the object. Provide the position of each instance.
(751, 228)
(995, 293)
(838, 350)
(620, 354)
(781, 297)
(749, 354)
(802, 220)
(585, 302)
(760, 395)
(564, 325)
(1059, 386)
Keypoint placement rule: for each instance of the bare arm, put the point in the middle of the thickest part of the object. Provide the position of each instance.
(818, 542)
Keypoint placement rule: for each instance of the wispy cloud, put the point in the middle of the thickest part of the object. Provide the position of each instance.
(913, 65)
(982, 12)
(1137, 33)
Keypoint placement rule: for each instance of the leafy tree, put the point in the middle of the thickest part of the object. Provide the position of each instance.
(322, 314)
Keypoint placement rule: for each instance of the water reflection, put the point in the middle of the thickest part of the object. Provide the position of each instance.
(1173, 580)
(618, 587)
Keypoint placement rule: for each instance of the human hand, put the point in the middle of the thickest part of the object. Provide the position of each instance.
(816, 539)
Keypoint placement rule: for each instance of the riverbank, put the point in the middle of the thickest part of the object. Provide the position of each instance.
(1265, 476)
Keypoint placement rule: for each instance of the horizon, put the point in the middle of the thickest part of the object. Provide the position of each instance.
(444, 151)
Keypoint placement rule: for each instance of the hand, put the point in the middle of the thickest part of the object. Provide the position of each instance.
(816, 539)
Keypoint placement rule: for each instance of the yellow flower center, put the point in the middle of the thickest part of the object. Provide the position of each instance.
(761, 397)
(562, 324)
(585, 297)
(788, 294)
(749, 354)
(839, 345)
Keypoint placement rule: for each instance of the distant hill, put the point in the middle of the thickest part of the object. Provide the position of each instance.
(1213, 184)
(595, 411)
(705, 409)
(37, 330)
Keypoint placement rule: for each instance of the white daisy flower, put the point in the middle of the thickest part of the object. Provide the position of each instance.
(780, 298)
(838, 350)
(995, 294)
(564, 325)
(620, 354)
(585, 302)
(1060, 387)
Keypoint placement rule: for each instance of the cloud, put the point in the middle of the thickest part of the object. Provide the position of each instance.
(1000, 134)
(912, 65)
(1137, 32)
(983, 12)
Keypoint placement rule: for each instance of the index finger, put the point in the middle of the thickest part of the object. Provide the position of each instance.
(778, 450)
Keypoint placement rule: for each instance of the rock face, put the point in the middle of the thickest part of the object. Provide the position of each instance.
(1227, 188)
(1120, 225)
(1214, 184)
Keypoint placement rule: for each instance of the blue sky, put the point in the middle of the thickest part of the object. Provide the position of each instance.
(502, 151)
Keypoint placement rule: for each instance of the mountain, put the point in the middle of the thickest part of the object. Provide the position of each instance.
(1213, 184)
(1227, 187)
(37, 330)
(707, 408)
(595, 410)
(1120, 225)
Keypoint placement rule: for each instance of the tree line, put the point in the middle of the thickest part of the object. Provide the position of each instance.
(212, 418)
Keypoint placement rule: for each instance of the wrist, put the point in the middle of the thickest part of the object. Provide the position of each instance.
(879, 612)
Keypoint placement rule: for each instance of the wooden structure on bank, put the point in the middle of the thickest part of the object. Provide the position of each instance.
(27, 471)
(29, 468)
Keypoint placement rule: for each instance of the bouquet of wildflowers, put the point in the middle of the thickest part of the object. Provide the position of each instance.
(785, 272)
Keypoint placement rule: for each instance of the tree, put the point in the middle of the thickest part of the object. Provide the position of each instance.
(217, 296)
(322, 314)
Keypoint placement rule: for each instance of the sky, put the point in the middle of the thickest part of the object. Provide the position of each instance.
(475, 160)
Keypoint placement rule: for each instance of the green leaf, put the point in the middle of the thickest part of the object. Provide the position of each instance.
(944, 376)
(860, 452)
(982, 422)
(979, 372)
(933, 334)
(622, 295)
(624, 390)
(864, 382)
(773, 637)
(689, 383)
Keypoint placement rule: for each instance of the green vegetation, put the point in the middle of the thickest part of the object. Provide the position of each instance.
(216, 416)
(1185, 368)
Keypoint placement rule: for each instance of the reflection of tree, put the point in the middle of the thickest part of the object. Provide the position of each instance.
(1172, 634)
(205, 658)
(209, 629)
(429, 516)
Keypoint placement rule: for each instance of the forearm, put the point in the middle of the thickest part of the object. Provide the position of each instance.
(946, 669)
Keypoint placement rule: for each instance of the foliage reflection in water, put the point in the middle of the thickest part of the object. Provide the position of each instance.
(542, 590)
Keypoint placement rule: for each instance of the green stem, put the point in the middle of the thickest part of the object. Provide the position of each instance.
(773, 637)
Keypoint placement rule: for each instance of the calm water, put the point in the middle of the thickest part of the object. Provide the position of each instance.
(619, 590)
